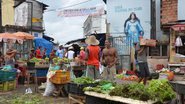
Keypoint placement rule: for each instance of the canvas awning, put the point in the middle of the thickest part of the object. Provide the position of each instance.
(23, 35)
(9, 36)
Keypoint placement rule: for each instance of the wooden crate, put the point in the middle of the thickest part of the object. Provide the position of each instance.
(8, 85)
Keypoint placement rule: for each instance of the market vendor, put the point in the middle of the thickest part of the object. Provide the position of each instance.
(142, 62)
(52, 55)
(38, 52)
(82, 55)
(70, 53)
(92, 57)
(108, 60)
(32, 53)
(1, 59)
(10, 57)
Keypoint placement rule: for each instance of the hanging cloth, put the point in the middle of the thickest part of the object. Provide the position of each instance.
(178, 42)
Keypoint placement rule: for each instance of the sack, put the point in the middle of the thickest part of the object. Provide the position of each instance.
(142, 41)
(151, 42)
(101, 68)
(148, 42)
(49, 88)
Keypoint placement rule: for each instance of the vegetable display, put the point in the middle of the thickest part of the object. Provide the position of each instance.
(157, 90)
(135, 91)
(160, 90)
(83, 80)
(103, 87)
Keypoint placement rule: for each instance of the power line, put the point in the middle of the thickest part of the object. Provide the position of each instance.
(49, 10)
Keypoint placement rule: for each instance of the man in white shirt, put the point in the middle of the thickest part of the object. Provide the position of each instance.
(70, 54)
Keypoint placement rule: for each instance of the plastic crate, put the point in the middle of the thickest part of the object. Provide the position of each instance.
(7, 76)
(77, 89)
(8, 85)
(42, 72)
(61, 77)
(1, 86)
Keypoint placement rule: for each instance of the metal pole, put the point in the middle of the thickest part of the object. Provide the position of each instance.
(31, 24)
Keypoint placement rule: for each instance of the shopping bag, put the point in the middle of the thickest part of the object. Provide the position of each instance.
(101, 68)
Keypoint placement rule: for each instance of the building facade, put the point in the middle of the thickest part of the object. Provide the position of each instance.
(30, 14)
(7, 12)
(94, 23)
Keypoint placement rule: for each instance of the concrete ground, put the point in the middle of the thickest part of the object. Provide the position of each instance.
(20, 90)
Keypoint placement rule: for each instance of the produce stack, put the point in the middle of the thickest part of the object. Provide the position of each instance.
(8, 78)
(78, 84)
(159, 91)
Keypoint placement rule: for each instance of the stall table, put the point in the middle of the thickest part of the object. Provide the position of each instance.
(42, 72)
(179, 87)
(98, 98)
(76, 98)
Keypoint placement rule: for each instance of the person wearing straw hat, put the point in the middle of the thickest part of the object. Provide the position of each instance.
(92, 57)
(70, 54)
(32, 53)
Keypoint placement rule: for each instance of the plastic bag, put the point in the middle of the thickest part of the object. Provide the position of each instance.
(49, 88)
(101, 68)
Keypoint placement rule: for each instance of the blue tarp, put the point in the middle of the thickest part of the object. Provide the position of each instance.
(44, 44)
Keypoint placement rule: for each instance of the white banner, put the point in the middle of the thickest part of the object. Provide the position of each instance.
(119, 13)
(21, 15)
(82, 12)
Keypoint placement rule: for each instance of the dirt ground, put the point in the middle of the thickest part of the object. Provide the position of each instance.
(20, 91)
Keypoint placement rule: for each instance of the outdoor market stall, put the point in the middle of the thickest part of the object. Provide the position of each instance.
(177, 44)
(177, 58)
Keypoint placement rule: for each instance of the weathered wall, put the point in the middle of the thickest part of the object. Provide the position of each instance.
(7, 12)
(168, 11)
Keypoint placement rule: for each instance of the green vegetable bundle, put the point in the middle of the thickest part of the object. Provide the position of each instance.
(83, 80)
(160, 90)
(157, 90)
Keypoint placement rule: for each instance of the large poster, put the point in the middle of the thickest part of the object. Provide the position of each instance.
(181, 8)
(21, 15)
(129, 17)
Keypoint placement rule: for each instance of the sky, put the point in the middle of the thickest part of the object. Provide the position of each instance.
(64, 29)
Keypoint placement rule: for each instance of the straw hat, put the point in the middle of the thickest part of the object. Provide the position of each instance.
(91, 40)
(81, 48)
(70, 48)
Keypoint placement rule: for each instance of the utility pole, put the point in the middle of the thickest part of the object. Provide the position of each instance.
(31, 15)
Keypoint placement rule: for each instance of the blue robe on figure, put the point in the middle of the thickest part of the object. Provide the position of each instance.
(133, 31)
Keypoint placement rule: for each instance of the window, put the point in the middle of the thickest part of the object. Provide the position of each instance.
(159, 50)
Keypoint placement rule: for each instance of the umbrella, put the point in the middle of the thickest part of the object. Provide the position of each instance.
(8, 37)
(24, 35)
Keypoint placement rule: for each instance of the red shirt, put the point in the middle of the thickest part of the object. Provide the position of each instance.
(93, 58)
(82, 55)
(38, 53)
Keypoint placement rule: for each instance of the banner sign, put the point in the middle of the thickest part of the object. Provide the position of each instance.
(121, 12)
(82, 12)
